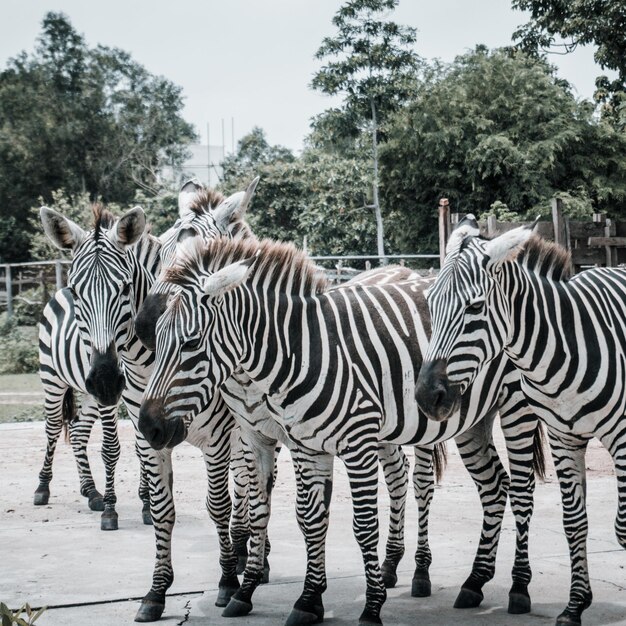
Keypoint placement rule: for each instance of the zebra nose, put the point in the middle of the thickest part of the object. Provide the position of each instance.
(147, 317)
(151, 423)
(432, 389)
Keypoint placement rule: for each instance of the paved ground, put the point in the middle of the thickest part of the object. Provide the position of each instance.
(57, 556)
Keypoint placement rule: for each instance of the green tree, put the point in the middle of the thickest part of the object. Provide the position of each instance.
(496, 127)
(80, 119)
(558, 26)
(371, 62)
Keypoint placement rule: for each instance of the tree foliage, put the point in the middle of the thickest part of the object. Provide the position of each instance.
(371, 62)
(318, 195)
(81, 119)
(495, 127)
(560, 26)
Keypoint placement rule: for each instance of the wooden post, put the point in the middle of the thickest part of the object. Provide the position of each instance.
(444, 228)
(9, 288)
(59, 274)
(492, 225)
(611, 251)
(560, 223)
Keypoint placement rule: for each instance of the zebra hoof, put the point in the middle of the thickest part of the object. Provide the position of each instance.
(146, 516)
(519, 603)
(297, 617)
(369, 619)
(224, 594)
(95, 500)
(420, 588)
(468, 599)
(42, 495)
(389, 577)
(108, 521)
(567, 619)
(150, 611)
(237, 608)
(241, 564)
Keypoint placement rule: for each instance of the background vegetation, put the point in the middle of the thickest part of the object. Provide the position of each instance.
(495, 131)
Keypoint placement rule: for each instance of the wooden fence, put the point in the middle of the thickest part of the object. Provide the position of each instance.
(599, 242)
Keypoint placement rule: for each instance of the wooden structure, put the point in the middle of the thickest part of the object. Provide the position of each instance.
(599, 242)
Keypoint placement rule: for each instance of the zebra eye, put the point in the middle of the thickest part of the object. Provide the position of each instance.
(192, 344)
(126, 289)
(476, 306)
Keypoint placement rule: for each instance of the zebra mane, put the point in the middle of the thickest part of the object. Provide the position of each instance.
(204, 200)
(102, 218)
(546, 258)
(277, 262)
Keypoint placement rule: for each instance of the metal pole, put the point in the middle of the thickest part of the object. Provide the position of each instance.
(58, 271)
(208, 152)
(9, 287)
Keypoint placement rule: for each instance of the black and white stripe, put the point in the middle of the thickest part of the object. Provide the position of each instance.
(336, 370)
(566, 336)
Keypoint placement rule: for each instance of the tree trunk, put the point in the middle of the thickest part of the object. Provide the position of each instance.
(380, 235)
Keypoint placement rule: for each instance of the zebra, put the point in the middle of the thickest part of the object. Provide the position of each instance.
(336, 370)
(566, 335)
(198, 218)
(107, 284)
(73, 359)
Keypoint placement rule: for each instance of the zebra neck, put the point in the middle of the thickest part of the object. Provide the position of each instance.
(542, 323)
(278, 334)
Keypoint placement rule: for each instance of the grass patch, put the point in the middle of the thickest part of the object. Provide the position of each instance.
(10, 413)
(20, 383)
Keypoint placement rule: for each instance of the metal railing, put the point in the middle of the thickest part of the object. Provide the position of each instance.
(19, 275)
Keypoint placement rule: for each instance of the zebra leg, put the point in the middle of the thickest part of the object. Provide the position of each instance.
(110, 457)
(619, 457)
(219, 505)
(79, 433)
(259, 454)
(396, 470)
(520, 428)
(158, 466)
(53, 407)
(314, 486)
(362, 467)
(569, 461)
(424, 488)
(144, 488)
(492, 481)
(239, 523)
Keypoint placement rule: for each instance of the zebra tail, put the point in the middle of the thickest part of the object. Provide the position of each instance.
(539, 452)
(68, 411)
(440, 460)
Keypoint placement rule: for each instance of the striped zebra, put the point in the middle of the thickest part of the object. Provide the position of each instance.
(73, 356)
(567, 337)
(199, 219)
(336, 370)
(107, 284)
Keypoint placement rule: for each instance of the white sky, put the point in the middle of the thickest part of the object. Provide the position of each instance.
(252, 60)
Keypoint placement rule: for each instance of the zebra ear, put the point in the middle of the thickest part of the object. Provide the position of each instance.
(235, 206)
(229, 277)
(61, 231)
(186, 196)
(506, 246)
(129, 228)
(467, 227)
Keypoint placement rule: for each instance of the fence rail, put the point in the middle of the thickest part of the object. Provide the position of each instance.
(51, 275)
(20, 277)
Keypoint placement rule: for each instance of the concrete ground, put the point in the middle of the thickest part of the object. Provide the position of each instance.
(56, 555)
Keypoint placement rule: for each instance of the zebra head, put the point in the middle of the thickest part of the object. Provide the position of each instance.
(203, 214)
(101, 280)
(193, 326)
(470, 325)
